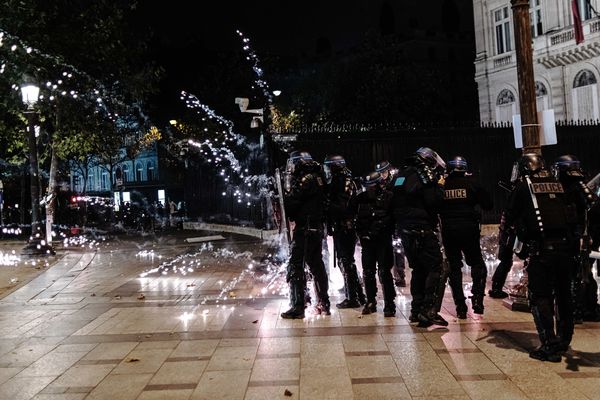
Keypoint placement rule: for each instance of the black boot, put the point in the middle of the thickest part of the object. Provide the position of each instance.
(389, 310)
(477, 303)
(496, 291)
(323, 309)
(430, 317)
(546, 353)
(297, 299)
(542, 309)
(348, 304)
(461, 311)
(369, 308)
(293, 313)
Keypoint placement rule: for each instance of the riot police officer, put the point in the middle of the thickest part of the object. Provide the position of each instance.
(388, 171)
(567, 169)
(340, 224)
(418, 196)
(545, 221)
(460, 216)
(374, 225)
(304, 203)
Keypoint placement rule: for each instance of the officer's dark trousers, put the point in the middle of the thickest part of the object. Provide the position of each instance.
(549, 290)
(424, 256)
(456, 243)
(506, 243)
(398, 270)
(307, 246)
(344, 241)
(377, 258)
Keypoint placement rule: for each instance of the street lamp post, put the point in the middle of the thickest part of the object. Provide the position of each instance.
(30, 93)
(518, 300)
(524, 54)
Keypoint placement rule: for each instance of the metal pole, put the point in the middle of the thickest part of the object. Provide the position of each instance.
(1, 203)
(524, 53)
(33, 172)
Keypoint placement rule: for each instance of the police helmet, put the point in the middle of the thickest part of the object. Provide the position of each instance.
(567, 166)
(372, 180)
(530, 164)
(383, 166)
(297, 159)
(335, 162)
(458, 164)
(430, 158)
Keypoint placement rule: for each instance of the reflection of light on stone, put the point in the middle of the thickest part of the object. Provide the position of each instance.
(8, 258)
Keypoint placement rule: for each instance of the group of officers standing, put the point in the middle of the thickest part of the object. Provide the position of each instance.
(426, 204)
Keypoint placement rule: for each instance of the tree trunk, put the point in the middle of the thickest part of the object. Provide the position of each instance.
(51, 197)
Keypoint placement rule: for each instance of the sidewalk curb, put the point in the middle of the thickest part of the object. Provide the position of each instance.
(241, 230)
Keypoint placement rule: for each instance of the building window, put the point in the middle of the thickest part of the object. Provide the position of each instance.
(104, 183)
(535, 15)
(585, 96)
(150, 171)
(585, 9)
(505, 106)
(541, 96)
(126, 177)
(584, 78)
(502, 26)
(505, 97)
(77, 183)
(139, 176)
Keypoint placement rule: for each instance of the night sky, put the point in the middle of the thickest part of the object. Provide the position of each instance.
(191, 39)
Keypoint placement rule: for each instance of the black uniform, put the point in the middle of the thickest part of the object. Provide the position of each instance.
(416, 202)
(585, 287)
(460, 218)
(304, 204)
(546, 229)
(506, 243)
(388, 173)
(374, 225)
(340, 221)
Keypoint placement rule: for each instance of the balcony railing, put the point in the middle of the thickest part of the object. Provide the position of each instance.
(562, 37)
(502, 61)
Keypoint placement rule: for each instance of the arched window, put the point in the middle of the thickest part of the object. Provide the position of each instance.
(541, 96)
(150, 171)
(126, 172)
(584, 78)
(585, 96)
(506, 106)
(139, 172)
(505, 97)
(540, 89)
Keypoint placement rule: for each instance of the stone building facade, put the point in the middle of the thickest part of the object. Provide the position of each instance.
(566, 74)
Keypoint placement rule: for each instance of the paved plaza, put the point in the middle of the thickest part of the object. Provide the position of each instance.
(170, 320)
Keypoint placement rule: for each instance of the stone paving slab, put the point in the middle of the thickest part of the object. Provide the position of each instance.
(211, 330)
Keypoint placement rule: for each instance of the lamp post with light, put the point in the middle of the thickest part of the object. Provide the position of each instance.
(30, 94)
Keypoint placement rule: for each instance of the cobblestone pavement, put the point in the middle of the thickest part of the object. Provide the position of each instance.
(171, 320)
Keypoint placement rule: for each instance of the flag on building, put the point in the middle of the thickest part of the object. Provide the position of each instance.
(577, 22)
